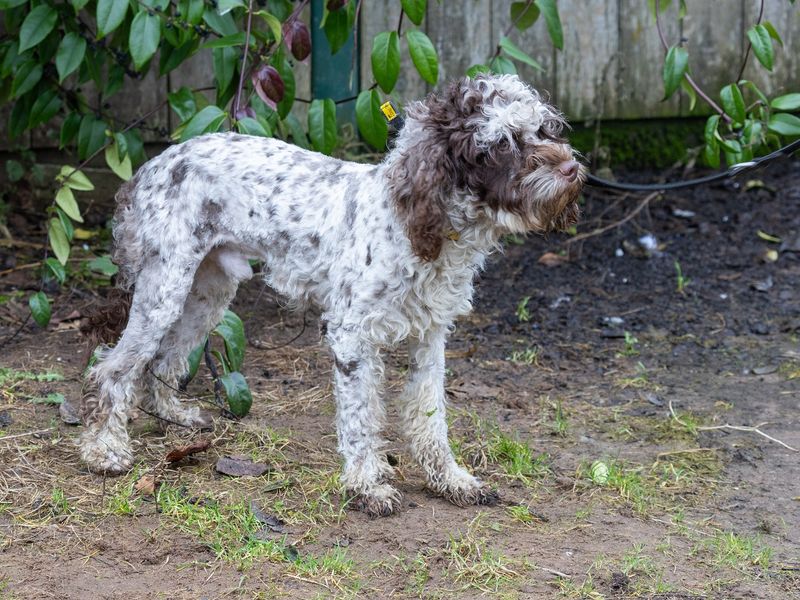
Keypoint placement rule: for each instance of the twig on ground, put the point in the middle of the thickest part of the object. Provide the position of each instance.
(5, 438)
(745, 428)
(628, 217)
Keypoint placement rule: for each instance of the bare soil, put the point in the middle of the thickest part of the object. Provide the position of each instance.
(688, 509)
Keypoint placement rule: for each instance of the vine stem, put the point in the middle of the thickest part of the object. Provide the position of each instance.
(706, 98)
(238, 98)
(749, 44)
(510, 28)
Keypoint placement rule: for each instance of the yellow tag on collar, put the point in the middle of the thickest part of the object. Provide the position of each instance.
(388, 110)
(453, 235)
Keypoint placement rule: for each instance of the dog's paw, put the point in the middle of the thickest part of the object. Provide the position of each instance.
(380, 501)
(106, 455)
(190, 417)
(481, 494)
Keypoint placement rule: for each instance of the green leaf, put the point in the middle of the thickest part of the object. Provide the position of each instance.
(225, 60)
(784, 124)
(226, 6)
(91, 136)
(730, 146)
(251, 126)
(75, 179)
(754, 88)
(274, 25)
(386, 59)
(515, 52)
(415, 9)
(122, 167)
(295, 129)
(15, 170)
(69, 55)
(28, 75)
(69, 128)
(110, 14)
(207, 120)
(194, 358)
(689, 91)
(40, 308)
(761, 42)
(66, 223)
(36, 26)
(524, 14)
(423, 55)
(322, 125)
(66, 200)
(711, 130)
(237, 39)
(733, 102)
(122, 144)
(183, 103)
(223, 25)
(78, 4)
(56, 269)
(501, 65)
(231, 330)
(338, 25)
(286, 72)
(171, 58)
(44, 108)
(551, 17)
(103, 265)
(676, 65)
(370, 119)
(786, 102)
(238, 393)
(192, 10)
(144, 37)
(135, 146)
(772, 32)
(711, 154)
(6, 4)
(58, 240)
(475, 69)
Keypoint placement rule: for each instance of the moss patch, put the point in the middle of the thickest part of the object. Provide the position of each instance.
(641, 144)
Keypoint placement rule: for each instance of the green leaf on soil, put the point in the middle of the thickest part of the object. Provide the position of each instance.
(40, 308)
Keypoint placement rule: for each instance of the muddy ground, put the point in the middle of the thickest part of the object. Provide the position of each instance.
(598, 408)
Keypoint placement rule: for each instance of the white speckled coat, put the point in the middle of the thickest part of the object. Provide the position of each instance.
(388, 252)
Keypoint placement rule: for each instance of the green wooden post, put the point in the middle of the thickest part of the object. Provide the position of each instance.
(333, 76)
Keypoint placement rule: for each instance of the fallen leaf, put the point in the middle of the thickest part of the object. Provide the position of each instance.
(272, 522)
(182, 452)
(550, 259)
(763, 285)
(768, 238)
(147, 485)
(241, 466)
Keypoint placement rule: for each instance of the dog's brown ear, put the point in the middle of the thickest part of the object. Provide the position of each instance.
(424, 172)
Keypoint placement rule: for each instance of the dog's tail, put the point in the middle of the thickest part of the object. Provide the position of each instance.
(104, 322)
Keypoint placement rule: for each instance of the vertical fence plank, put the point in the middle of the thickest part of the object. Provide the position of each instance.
(641, 60)
(462, 35)
(713, 31)
(586, 71)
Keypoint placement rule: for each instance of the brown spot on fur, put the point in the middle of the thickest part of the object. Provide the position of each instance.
(179, 172)
(105, 321)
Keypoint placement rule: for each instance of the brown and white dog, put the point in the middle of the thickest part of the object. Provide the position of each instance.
(388, 252)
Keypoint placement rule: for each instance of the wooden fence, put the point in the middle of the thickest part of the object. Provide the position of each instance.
(610, 67)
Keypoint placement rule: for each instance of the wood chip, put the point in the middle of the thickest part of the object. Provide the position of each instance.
(147, 485)
(550, 259)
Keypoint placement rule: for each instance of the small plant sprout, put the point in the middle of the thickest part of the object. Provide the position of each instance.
(681, 281)
(560, 423)
(522, 310)
(529, 356)
(630, 345)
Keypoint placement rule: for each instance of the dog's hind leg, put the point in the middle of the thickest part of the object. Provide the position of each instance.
(423, 412)
(161, 289)
(359, 420)
(214, 286)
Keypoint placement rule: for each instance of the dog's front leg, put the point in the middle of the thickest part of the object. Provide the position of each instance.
(359, 420)
(425, 424)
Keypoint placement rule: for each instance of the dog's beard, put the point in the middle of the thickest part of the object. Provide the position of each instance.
(548, 204)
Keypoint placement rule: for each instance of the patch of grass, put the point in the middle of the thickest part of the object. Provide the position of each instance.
(630, 346)
(790, 370)
(521, 513)
(523, 315)
(529, 356)
(628, 482)
(59, 505)
(681, 281)
(472, 564)
(334, 567)
(516, 458)
(123, 500)
(585, 590)
(418, 572)
(641, 380)
(228, 530)
(560, 423)
(739, 551)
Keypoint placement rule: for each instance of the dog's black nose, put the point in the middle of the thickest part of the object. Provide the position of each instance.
(569, 169)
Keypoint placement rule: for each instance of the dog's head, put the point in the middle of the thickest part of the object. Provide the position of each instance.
(493, 141)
